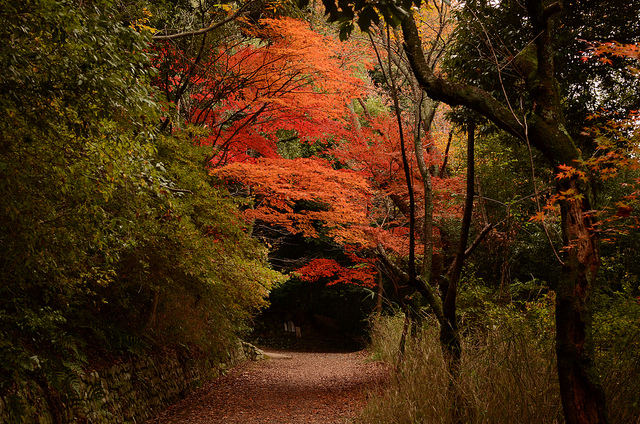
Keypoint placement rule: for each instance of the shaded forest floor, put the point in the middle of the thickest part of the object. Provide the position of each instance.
(287, 388)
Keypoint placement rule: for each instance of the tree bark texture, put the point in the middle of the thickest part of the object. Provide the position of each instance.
(582, 397)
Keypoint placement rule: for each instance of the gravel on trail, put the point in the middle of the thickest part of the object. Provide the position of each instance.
(286, 388)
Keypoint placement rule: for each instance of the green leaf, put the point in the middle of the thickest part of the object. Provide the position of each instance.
(345, 30)
(366, 17)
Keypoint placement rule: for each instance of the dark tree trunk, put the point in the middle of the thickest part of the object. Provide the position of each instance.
(582, 397)
(449, 336)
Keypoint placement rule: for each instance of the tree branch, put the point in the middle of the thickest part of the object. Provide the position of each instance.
(452, 93)
(240, 12)
(478, 240)
(179, 190)
(552, 9)
(424, 289)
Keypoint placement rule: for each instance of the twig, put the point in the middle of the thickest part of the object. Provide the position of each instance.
(201, 31)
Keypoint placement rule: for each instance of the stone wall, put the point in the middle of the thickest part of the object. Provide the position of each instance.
(128, 392)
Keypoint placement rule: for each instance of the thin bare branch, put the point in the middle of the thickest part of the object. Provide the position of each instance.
(214, 25)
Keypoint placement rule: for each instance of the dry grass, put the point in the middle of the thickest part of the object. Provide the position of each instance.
(507, 376)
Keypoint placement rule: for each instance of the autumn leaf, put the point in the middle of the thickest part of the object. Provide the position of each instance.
(624, 210)
(538, 217)
(246, 92)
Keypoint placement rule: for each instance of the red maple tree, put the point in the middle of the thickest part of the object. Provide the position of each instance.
(280, 77)
(287, 80)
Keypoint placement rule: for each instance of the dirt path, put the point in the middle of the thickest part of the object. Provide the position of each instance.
(288, 388)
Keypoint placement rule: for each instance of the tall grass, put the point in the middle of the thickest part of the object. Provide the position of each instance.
(507, 375)
(617, 336)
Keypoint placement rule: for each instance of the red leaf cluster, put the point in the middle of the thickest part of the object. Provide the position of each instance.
(246, 91)
(361, 274)
(338, 199)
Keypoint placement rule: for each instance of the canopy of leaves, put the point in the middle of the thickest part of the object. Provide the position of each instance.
(284, 78)
(594, 85)
(493, 51)
(302, 195)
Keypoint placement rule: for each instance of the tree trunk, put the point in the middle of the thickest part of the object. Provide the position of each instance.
(151, 324)
(378, 308)
(449, 336)
(582, 397)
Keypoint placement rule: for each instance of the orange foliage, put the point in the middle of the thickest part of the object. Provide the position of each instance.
(374, 151)
(296, 80)
(617, 151)
(302, 194)
(361, 274)
(604, 51)
(291, 78)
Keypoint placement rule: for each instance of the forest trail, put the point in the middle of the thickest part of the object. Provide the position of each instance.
(286, 388)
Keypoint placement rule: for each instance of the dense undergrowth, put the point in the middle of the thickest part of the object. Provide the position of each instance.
(508, 371)
(114, 239)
